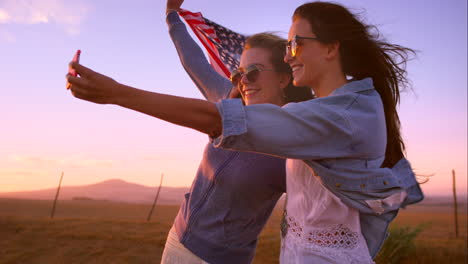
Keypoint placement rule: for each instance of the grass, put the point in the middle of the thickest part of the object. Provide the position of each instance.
(399, 244)
(81, 241)
(107, 232)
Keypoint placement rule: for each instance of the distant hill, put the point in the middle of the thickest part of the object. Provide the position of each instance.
(121, 191)
(444, 200)
(112, 190)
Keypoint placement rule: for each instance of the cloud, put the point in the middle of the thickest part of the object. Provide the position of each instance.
(68, 14)
(4, 17)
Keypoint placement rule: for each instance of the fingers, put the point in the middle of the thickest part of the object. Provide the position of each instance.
(75, 80)
(76, 83)
(83, 71)
(84, 89)
(79, 93)
(90, 86)
(68, 86)
(80, 69)
(78, 90)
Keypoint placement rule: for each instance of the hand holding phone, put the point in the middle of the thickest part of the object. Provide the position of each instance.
(76, 59)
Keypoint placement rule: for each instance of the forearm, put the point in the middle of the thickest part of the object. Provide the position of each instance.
(98, 88)
(211, 84)
(193, 113)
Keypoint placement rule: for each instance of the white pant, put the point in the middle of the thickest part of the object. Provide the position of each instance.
(176, 253)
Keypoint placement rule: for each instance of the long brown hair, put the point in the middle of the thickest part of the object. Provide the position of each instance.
(277, 47)
(364, 54)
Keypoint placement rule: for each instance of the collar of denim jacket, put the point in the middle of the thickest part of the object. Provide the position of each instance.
(355, 86)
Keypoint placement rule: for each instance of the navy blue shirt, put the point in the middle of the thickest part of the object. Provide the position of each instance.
(233, 192)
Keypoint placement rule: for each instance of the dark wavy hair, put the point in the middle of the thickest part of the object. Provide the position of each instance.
(364, 54)
(277, 46)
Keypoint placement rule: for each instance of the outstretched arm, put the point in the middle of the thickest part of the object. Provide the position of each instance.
(211, 84)
(97, 88)
(314, 129)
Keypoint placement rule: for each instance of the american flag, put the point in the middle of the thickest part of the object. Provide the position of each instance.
(223, 45)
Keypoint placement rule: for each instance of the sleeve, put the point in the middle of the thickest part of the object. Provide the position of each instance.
(306, 130)
(211, 84)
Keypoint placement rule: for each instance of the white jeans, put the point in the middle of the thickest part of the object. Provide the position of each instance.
(175, 253)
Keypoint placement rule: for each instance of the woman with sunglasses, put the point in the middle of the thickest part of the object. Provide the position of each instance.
(346, 173)
(233, 193)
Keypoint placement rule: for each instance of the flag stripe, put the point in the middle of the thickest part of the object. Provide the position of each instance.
(223, 45)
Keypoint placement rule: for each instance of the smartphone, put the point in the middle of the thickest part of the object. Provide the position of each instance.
(76, 58)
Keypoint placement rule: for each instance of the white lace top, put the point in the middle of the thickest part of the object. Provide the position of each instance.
(320, 228)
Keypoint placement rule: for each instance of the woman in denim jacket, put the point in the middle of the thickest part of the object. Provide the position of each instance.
(233, 192)
(346, 173)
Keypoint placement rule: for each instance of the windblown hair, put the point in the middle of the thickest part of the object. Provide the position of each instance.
(277, 47)
(364, 54)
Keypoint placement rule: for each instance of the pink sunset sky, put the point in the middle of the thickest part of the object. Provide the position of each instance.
(45, 131)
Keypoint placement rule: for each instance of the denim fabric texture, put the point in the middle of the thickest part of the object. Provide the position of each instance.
(233, 193)
(342, 137)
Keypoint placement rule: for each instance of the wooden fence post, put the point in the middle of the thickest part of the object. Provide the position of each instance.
(455, 204)
(155, 199)
(56, 197)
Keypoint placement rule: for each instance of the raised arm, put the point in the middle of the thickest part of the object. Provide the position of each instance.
(211, 84)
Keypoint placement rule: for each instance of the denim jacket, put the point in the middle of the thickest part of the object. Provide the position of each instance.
(233, 193)
(342, 137)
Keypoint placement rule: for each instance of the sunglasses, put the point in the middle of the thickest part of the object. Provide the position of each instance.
(251, 73)
(292, 45)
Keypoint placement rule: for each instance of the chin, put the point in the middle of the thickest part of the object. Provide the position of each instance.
(249, 102)
(254, 101)
(301, 81)
(297, 83)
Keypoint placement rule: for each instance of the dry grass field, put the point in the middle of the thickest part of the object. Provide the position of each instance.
(108, 232)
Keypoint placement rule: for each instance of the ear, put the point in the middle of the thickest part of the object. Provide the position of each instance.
(333, 50)
(285, 79)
